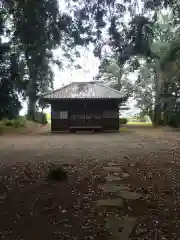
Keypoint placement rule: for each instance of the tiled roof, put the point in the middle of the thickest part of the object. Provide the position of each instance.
(86, 90)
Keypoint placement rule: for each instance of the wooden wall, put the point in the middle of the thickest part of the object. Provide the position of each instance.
(58, 124)
(84, 113)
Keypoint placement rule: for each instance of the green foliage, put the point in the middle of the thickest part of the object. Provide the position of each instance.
(44, 119)
(10, 82)
(48, 116)
(35, 29)
(123, 121)
(126, 37)
(57, 174)
(14, 123)
(40, 118)
(115, 75)
(173, 119)
(8, 123)
(10, 104)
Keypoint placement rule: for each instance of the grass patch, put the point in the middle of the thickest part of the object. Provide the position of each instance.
(57, 174)
(15, 123)
(48, 116)
(18, 126)
(7, 125)
(124, 129)
(140, 123)
(128, 128)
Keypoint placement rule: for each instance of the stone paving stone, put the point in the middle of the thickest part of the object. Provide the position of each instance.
(116, 174)
(125, 175)
(112, 178)
(113, 169)
(117, 202)
(129, 195)
(113, 188)
(112, 164)
(120, 228)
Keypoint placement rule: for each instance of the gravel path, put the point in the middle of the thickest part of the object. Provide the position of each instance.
(33, 208)
(70, 146)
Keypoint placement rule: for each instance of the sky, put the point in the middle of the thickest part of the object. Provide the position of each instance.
(89, 69)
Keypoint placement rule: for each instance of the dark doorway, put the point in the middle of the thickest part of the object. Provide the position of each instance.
(85, 114)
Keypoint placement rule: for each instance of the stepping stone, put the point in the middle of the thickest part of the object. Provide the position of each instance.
(112, 164)
(125, 175)
(112, 188)
(132, 165)
(116, 174)
(113, 169)
(117, 202)
(111, 178)
(120, 228)
(129, 195)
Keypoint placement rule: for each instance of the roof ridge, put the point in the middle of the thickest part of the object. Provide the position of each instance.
(103, 91)
(56, 90)
(110, 89)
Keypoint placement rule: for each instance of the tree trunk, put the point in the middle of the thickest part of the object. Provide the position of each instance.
(158, 88)
(165, 108)
(31, 108)
(31, 90)
(157, 115)
(120, 77)
(151, 115)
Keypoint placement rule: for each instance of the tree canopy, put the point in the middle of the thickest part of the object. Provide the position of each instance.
(122, 33)
(38, 27)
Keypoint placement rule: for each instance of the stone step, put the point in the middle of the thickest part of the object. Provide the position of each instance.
(112, 178)
(113, 188)
(117, 202)
(125, 175)
(120, 228)
(113, 169)
(112, 164)
(127, 195)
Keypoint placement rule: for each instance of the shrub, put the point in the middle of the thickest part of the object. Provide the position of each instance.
(142, 120)
(41, 118)
(44, 119)
(15, 123)
(7, 122)
(57, 174)
(1, 129)
(18, 122)
(173, 121)
(123, 120)
(48, 115)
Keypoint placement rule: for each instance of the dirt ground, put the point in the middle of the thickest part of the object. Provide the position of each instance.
(33, 207)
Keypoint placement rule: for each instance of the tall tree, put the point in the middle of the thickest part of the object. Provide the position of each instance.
(125, 27)
(115, 75)
(9, 89)
(165, 31)
(38, 28)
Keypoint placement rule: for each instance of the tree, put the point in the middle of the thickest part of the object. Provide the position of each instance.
(144, 34)
(115, 75)
(10, 104)
(39, 27)
(145, 91)
(125, 27)
(164, 31)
